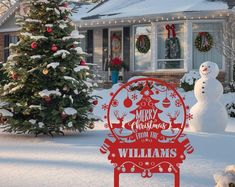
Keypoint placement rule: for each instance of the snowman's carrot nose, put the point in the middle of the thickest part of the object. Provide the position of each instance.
(205, 69)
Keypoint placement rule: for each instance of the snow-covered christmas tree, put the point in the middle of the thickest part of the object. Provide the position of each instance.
(47, 88)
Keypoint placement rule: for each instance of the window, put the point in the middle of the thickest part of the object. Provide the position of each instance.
(215, 30)
(170, 49)
(142, 59)
(7, 40)
(83, 41)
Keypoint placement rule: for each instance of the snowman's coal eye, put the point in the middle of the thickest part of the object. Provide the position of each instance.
(208, 66)
(203, 66)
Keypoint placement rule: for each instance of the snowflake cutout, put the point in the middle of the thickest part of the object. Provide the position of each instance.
(189, 116)
(104, 107)
(134, 97)
(115, 103)
(173, 95)
(178, 103)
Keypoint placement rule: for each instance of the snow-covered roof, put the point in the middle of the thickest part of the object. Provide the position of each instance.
(8, 13)
(129, 8)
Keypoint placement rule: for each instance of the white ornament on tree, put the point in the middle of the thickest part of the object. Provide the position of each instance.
(209, 115)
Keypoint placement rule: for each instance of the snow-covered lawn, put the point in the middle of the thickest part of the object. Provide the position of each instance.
(75, 160)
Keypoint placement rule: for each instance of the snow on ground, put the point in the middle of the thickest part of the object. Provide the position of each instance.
(75, 160)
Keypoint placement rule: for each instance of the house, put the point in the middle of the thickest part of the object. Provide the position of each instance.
(8, 31)
(163, 38)
(160, 38)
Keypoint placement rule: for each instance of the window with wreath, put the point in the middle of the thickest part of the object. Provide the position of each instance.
(170, 46)
(205, 35)
(142, 48)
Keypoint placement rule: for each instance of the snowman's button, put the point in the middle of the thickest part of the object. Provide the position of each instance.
(203, 92)
(203, 82)
(203, 87)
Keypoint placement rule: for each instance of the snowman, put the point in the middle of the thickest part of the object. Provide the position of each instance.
(209, 115)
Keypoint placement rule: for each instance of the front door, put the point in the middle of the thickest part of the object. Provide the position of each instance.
(115, 44)
(116, 47)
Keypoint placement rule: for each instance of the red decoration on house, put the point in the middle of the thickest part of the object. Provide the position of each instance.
(49, 29)
(143, 140)
(83, 62)
(34, 45)
(54, 48)
(170, 28)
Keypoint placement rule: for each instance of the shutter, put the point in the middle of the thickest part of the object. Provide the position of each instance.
(6, 47)
(6, 40)
(105, 49)
(126, 46)
(90, 45)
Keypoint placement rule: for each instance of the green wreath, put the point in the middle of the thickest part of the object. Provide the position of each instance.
(143, 44)
(204, 41)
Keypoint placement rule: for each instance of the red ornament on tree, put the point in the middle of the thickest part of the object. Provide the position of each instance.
(34, 45)
(166, 103)
(127, 102)
(95, 102)
(47, 99)
(82, 62)
(14, 76)
(65, 5)
(91, 110)
(49, 29)
(63, 115)
(54, 48)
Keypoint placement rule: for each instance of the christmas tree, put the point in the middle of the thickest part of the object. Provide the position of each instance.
(47, 89)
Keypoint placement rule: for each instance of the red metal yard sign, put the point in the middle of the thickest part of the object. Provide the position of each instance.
(146, 118)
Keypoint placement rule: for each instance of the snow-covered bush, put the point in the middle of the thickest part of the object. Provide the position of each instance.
(188, 80)
(231, 109)
(227, 178)
(232, 86)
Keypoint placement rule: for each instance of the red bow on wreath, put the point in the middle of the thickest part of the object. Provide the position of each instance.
(169, 28)
(202, 33)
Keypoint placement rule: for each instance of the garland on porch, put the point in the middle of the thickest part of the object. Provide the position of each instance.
(143, 44)
(204, 41)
